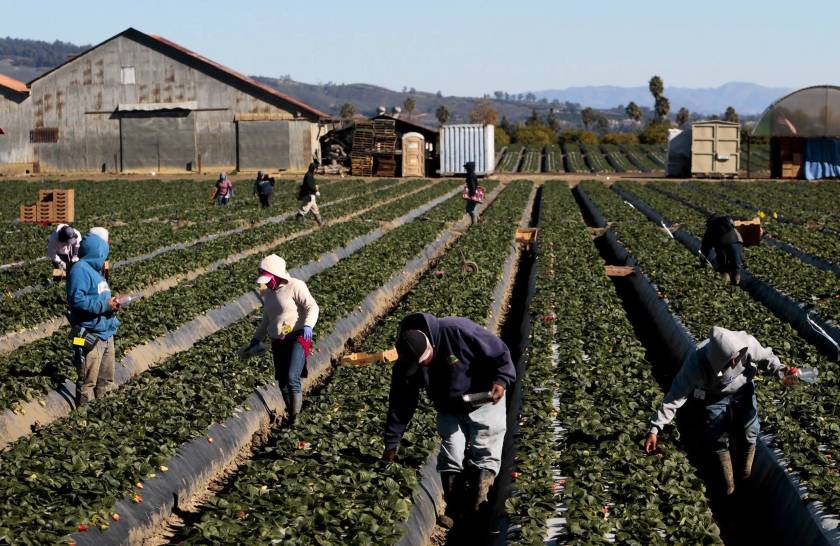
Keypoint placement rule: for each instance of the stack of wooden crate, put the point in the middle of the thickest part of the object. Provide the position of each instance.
(385, 147)
(361, 160)
(53, 207)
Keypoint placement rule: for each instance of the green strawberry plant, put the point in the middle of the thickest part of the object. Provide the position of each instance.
(587, 379)
(802, 420)
(322, 482)
(814, 288)
(33, 308)
(35, 368)
(73, 471)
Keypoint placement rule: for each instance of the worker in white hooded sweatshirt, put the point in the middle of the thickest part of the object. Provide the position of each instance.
(289, 316)
(718, 375)
(63, 247)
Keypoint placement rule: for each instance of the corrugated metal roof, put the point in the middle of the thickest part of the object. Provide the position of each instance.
(138, 36)
(13, 84)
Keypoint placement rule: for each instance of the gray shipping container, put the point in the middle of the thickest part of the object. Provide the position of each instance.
(467, 142)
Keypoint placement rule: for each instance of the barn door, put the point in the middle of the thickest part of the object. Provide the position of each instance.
(157, 141)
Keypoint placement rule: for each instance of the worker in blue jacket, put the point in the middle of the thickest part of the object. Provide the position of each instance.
(449, 358)
(93, 320)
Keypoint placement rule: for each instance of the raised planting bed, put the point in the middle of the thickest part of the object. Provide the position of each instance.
(581, 475)
(801, 421)
(163, 256)
(510, 161)
(595, 159)
(574, 159)
(532, 162)
(125, 439)
(363, 500)
(36, 368)
(616, 158)
(554, 159)
(815, 289)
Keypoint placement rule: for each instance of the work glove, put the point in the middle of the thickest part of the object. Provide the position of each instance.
(307, 333)
(389, 455)
(650, 443)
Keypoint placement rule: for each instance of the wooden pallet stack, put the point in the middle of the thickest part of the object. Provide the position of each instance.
(385, 147)
(374, 148)
(361, 160)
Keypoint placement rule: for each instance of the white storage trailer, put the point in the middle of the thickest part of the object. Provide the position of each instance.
(467, 142)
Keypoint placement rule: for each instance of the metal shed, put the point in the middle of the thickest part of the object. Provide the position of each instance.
(715, 148)
(804, 132)
(708, 149)
(467, 142)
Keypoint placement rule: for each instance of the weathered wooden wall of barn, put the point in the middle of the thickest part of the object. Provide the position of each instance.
(81, 99)
(15, 120)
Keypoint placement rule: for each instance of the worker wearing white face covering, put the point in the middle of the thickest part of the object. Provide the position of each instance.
(719, 375)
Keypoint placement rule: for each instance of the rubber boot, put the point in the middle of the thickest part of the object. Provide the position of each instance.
(447, 480)
(319, 221)
(294, 408)
(749, 456)
(485, 482)
(726, 469)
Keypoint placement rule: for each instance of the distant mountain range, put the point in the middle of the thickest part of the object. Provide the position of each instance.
(746, 98)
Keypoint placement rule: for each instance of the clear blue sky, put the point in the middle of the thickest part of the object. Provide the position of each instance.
(471, 47)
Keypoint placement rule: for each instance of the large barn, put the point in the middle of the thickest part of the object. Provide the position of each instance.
(140, 103)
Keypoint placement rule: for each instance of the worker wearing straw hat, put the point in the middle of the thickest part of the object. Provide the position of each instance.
(289, 316)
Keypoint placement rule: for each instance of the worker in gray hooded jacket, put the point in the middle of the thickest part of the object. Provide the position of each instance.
(719, 376)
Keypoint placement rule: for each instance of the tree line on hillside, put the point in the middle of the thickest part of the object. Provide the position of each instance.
(597, 128)
(37, 53)
(545, 126)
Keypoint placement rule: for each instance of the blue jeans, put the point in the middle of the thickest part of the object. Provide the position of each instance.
(738, 411)
(222, 201)
(482, 430)
(289, 362)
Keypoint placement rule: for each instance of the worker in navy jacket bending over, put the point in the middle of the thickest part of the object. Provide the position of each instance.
(452, 357)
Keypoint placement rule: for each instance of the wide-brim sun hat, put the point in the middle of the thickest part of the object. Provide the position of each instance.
(275, 265)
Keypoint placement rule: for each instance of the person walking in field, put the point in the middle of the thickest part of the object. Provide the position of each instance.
(307, 194)
(722, 237)
(289, 317)
(465, 371)
(224, 190)
(264, 189)
(63, 247)
(93, 321)
(471, 190)
(718, 377)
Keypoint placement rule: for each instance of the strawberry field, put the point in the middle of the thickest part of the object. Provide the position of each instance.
(192, 448)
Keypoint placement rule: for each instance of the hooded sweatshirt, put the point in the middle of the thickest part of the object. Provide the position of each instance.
(69, 248)
(467, 359)
(88, 291)
(720, 230)
(706, 375)
(472, 178)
